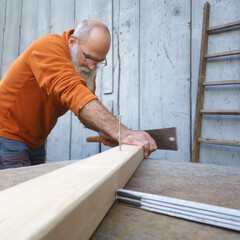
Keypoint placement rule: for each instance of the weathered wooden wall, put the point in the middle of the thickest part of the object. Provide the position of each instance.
(152, 73)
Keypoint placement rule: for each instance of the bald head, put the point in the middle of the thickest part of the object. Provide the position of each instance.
(90, 27)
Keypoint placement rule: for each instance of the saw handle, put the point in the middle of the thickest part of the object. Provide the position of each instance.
(94, 139)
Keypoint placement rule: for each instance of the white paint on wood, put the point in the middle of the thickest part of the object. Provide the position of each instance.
(29, 24)
(11, 34)
(62, 15)
(165, 72)
(43, 17)
(79, 147)
(126, 75)
(59, 141)
(34, 22)
(103, 12)
(2, 29)
(104, 81)
(70, 202)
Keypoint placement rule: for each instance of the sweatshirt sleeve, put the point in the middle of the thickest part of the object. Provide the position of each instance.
(51, 65)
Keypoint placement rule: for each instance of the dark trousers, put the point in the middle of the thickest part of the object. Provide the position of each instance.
(15, 154)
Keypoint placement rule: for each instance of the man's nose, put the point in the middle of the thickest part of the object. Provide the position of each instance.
(92, 67)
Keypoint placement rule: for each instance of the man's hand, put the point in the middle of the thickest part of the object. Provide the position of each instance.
(130, 137)
(140, 138)
(98, 118)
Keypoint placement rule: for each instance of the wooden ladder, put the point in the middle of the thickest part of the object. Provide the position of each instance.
(202, 84)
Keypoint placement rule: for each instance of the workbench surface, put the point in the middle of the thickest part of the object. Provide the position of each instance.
(203, 183)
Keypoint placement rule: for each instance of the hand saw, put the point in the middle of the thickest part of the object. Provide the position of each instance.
(165, 138)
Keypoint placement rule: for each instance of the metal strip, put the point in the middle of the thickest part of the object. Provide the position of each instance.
(194, 211)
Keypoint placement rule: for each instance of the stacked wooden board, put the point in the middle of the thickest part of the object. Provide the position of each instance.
(70, 202)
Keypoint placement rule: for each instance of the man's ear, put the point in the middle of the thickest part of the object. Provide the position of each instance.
(72, 41)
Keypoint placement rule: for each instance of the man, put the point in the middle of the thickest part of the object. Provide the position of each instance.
(55, 74)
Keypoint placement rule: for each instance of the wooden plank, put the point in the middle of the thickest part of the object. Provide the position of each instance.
(224, 26)
(201, 79)
(2, 29)
(79, 148)
(43, 17)
(219, 142)
(59, 140)
(103, 12)
(220, 112)
(104, 81)
(62, 15)
(128, 54)
(75, 200)
(215, 83)
(125, 28)
(164, 71)
(222, 54)
(13, 176)
(116, 64)
(34, 23)
(28, 24)
(11, 43)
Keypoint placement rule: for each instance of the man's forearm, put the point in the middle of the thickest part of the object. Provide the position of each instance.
(98, 118)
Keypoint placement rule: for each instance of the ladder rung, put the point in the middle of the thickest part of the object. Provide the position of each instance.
(232, 82)
(219, 142)
(224, 26)
(220, 112)
(222, 54)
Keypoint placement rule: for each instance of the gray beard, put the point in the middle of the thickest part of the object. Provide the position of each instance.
(84, 72)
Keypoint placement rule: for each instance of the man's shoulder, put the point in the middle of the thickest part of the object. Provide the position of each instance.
(51, 39)
(50, 43)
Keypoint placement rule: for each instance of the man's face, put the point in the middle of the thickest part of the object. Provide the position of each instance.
(89, 53)
(78, 61)
(84, 71)
(87, 56)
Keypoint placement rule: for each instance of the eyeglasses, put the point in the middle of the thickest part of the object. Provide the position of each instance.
(90, 62)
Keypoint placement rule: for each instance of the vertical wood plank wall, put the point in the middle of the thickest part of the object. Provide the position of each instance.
(152, 73)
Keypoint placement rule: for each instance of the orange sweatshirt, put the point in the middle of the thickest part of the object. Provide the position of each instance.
(40, 86)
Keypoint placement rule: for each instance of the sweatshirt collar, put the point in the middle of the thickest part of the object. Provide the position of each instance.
(65, 35)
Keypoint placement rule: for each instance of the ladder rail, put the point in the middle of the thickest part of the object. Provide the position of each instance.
(201, 79)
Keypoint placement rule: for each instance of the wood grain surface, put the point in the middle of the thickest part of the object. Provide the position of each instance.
(70, 202)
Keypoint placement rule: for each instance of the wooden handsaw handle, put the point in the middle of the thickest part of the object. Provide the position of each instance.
(94, 139)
